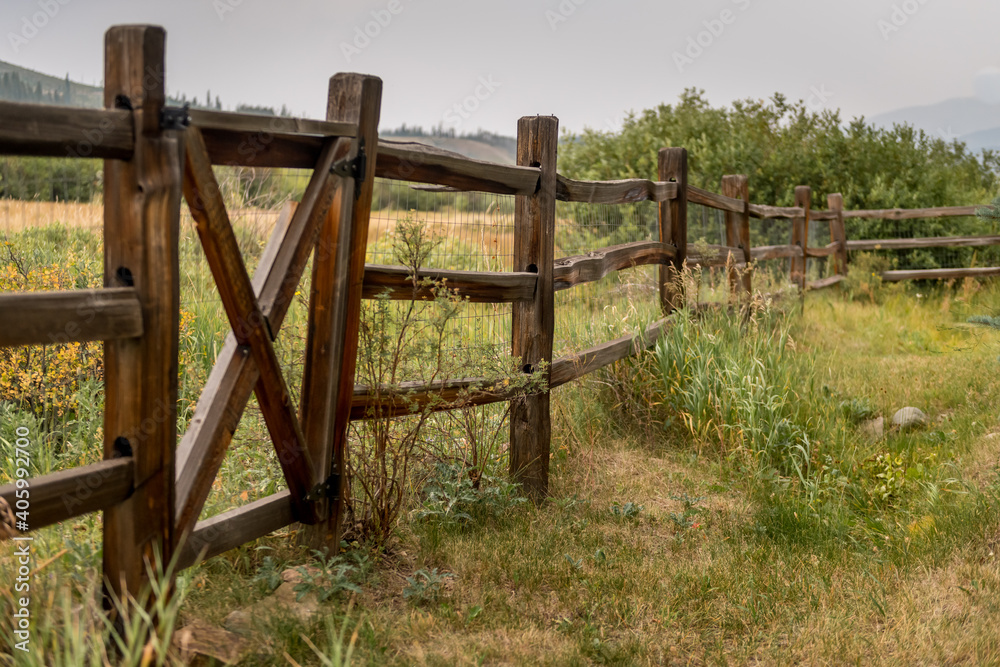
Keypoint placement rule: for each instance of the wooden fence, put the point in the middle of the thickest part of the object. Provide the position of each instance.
(151, 486)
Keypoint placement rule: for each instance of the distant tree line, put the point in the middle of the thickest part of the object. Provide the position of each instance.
(15, 89)
(483, 136)
(50, 179)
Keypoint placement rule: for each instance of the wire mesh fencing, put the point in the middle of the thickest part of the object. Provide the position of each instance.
(943, 257)
(619, 304)
(820, 234)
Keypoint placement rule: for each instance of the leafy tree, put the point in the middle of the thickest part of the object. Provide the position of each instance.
(780, 145)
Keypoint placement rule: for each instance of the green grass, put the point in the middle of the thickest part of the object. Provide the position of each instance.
(717, 502)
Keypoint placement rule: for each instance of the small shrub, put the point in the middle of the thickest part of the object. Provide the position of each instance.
(458, 496)
(330, 578)
(885, 477)
(425, 585)
(628, 512)
(44, 379)
(857, 410)
(268, 574)
(685, 518)
(406, 343)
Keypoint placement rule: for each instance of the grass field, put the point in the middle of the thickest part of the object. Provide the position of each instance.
(718, 501)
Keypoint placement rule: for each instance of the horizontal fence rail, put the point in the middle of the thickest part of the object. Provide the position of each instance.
(51, 131)
(766, 212)
(572, 271)
(45, 318)
(915, 213)
(71, 493)
(397, 283)
(613, 192)
(941, 274)
(716, 201)
(928, 242)
(423, 164)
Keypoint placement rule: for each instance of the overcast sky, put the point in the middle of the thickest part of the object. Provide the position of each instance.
(476, 64)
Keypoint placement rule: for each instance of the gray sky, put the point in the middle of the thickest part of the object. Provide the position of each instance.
(586, 61)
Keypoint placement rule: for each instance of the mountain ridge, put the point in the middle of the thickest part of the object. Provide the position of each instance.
(966, 119)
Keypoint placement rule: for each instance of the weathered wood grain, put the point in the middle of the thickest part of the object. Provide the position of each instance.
(593, 266)
(767, 212)
(941, 274)
(800, 235)
(262, 149)
(52, 318)
(822, 215)
(246, 320)
(408, 161)
(46, 130)
(924, 242)
(410, 397)
(914, 213)
(713, 200)
(476, 286)
(672, 165)
(232, 380)
(335, 303)
(765, 252)
(825, 282)
(738, 233)
(828, 250)
(838, 230)
(534, 321)
(613, 192)
(142, 200)
(70, 493)
(231, 529)
(249, 123)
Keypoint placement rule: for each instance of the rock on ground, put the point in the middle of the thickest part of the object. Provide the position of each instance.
(909, 418)
(199, 643)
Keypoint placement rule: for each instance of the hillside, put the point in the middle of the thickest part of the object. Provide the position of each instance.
(471, 148)
(53, 89)
(965, 118)
(984, 139)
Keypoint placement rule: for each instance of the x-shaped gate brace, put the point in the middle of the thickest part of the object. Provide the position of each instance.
(309, 445)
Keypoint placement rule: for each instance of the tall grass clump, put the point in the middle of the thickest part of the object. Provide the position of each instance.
(70, 628)
(729, 380)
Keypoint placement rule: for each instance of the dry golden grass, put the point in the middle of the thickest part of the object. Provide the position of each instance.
(489, 233)
(18, 215)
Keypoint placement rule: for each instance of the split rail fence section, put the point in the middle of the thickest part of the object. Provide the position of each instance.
(151, 486)
(802, 215)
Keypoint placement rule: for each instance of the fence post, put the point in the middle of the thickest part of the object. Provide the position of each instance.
(738, 230)
(673, 166)
(838, 232)
(534, 321)
(142, 199)
(335, 305)
(800, 235)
